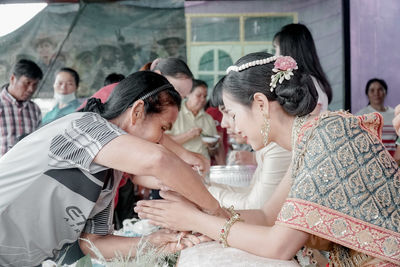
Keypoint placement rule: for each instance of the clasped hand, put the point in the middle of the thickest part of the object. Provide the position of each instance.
(172, 212)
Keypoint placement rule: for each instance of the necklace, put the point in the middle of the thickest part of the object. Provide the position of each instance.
(297, 124)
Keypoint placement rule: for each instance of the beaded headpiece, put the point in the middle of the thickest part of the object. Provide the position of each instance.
(283, 66)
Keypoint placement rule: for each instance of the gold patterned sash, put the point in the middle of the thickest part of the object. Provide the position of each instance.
(346, 186)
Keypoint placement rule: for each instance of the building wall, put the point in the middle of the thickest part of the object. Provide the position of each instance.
(375, 38)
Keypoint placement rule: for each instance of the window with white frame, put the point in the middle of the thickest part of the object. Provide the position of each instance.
(216, 41)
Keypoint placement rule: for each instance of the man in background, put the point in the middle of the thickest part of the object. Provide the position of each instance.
(19, 116)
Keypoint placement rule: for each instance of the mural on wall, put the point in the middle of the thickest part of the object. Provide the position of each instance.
(106, 38)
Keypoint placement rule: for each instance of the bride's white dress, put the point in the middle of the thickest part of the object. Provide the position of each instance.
(212, 254)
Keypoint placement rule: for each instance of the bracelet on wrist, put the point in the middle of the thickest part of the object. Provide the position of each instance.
(223, 236)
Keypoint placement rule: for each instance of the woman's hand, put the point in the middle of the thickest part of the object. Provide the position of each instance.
(172, 241)
(173, 212)
(194, 132)
(198, 162)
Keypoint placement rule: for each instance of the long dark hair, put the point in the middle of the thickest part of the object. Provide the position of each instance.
(295, 40)
(154, 89)
(173, 67)
(216, 96)
(297, 96)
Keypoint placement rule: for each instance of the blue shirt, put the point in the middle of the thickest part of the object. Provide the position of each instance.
(56, 112)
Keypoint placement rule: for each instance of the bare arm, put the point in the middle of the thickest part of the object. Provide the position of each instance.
(112, 245)
(155, 160)
(173, 213)
(186, 136)
(275, 242)
(268, 214)
(191, 158)
(147, 181)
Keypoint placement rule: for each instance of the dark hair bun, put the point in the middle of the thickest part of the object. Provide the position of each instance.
(93, 105)
(298, 95)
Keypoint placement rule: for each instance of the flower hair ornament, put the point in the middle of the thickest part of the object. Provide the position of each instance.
(283, 66)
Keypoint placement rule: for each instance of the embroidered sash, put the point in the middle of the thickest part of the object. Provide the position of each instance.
(346, 186)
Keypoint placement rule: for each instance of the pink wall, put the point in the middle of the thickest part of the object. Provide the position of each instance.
(375, 40)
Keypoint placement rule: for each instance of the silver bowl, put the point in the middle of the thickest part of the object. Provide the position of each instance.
(234, 175)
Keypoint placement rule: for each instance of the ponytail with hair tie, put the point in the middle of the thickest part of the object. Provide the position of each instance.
(93, 105)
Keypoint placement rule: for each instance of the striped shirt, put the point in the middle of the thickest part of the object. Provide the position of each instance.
(51, 178)
(17, 119)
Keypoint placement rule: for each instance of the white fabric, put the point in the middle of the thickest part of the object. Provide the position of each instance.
(272, 164)
(211, 254)
(322, 97)
(64, 98)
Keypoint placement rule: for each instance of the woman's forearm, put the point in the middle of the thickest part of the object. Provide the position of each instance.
(150, 182)
(182, 138)
(178, 175)
(109, 245)
(191, 158)
(155, 160)
(272, 242)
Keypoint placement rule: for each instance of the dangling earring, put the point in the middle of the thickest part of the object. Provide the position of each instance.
(265, 130)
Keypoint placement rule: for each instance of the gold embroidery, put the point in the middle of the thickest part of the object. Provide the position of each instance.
(364, 238)
(337, 198)
(313, 218)
(339, 227)
(369, 210)
(390, 246)
(341, 167)
(287, 212)
(395, 218)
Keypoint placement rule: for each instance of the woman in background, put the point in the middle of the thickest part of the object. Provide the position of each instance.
(175, 70)
(193, 121)
(65, 86)
(376, 91)
(295, 40)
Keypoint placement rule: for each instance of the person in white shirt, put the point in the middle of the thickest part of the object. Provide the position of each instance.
(376, 91)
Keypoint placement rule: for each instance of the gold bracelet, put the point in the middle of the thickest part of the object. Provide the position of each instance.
(223, 236)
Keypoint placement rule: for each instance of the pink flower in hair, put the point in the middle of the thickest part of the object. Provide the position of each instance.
(283, 67)
(285, 63)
